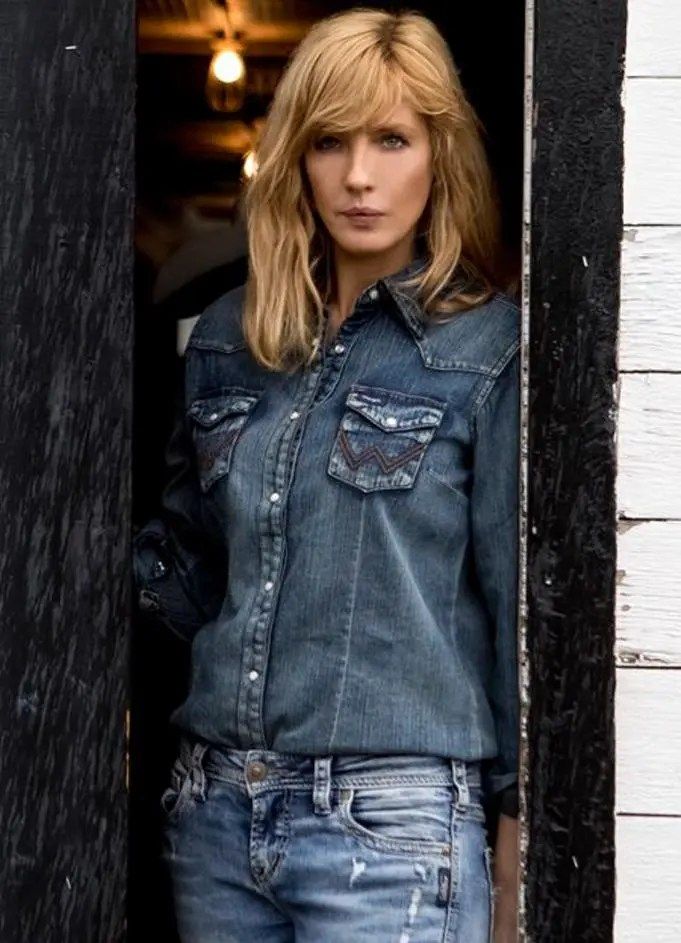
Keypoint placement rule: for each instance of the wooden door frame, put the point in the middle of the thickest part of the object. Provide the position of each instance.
(572, 231)
(67, 190)
(67, 74)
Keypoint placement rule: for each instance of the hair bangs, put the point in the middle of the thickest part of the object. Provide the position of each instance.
(354, 95)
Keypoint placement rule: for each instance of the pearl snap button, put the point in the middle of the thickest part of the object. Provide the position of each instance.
(391, 421)
(213, 416)
(252, 675)
(274, 496)
(268, 585)
(294, 414)
(373, 294)
(339, 348)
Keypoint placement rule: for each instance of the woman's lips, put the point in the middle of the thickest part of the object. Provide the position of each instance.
(360, 212)
(362, 219)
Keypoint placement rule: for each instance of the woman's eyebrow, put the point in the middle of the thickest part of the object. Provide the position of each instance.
(393, 126)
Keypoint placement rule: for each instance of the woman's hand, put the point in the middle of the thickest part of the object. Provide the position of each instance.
(506, 881)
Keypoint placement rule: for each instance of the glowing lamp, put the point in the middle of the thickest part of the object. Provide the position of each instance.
(227, 66)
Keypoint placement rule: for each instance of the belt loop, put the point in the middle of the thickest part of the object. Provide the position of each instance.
(321, 790)
(198, 773)
(460, 780)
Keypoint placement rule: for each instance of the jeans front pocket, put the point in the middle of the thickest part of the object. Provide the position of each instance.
(404, 818)
(217, 421)
(382, 437)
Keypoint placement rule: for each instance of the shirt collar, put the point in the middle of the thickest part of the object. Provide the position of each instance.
(404, 298)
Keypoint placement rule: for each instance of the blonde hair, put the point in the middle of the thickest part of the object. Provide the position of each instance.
(349, 69)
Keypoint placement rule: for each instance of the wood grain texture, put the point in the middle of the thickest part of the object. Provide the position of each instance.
(648, 868)
(652, 151)
(650, 323)
(648, 722)
(66, 186)
(576, 232)
(653, 38)
(649, 445)
(648, 599)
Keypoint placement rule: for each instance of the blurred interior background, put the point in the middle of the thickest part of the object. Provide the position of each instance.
(207, 70)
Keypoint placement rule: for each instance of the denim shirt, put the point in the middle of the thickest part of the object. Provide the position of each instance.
(339, 545)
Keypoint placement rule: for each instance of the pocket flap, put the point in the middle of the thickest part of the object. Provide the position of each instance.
(208, 411)
(392, 410)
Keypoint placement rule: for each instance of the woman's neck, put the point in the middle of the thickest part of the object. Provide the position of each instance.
(352, 276)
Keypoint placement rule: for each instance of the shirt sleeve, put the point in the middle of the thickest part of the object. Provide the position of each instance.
(179, 571)
(494, 521)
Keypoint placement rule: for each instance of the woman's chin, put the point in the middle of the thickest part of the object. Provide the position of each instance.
(362, 242)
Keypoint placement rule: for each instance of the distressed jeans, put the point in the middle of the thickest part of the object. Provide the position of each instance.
(267, 847)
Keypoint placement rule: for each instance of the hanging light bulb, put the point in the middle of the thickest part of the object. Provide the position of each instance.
(227, 66)
(226, 79)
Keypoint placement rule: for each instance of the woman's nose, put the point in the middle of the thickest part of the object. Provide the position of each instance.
(358, 170)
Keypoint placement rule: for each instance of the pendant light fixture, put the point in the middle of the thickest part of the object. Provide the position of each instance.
(226, 79)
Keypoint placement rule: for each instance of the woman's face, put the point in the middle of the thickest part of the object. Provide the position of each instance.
(386, 168)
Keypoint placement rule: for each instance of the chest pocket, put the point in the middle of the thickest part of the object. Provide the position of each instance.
(382, 437)
(217, 422)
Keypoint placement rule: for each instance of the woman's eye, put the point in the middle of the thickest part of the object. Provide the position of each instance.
(394, 137)
(320, 142)
(327, 141)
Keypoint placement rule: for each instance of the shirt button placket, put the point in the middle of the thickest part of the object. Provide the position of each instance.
(256, 639)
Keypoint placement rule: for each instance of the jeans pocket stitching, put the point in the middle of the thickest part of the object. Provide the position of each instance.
(385, 843)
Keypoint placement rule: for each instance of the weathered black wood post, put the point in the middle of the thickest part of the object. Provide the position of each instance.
(66, 192)
(575, 227)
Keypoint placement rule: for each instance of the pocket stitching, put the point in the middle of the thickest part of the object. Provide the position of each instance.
(385, 842)
(222, 438)
(222, 435)
(345, 464)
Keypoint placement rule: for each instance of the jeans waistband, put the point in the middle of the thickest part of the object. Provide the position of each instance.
(258, 771)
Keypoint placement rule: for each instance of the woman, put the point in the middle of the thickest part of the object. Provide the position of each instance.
(338, 540)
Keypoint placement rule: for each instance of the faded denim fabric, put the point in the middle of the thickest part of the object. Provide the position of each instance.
(281, 847)
(340, 546)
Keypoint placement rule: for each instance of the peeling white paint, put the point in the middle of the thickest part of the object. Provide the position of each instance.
(648, 606)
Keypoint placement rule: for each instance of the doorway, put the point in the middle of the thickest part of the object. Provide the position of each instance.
(192, 158)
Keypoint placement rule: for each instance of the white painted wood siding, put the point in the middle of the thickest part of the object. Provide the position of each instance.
(648, 616)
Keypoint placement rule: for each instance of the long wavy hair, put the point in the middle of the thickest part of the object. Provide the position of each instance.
(348, 70)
